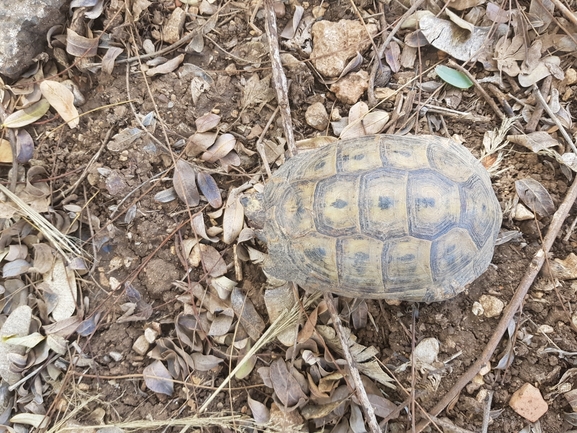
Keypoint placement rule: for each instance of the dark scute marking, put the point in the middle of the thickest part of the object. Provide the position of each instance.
(386, 203)
(360, 261)
(339, 204)
(425, 202)
(407, 258)
(315, 255)
(319, 165)
(359, 156)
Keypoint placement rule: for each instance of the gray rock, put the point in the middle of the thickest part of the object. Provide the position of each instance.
(24, 27)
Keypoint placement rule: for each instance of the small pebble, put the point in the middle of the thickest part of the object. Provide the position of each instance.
(492, 306)
(349, 89)
(521, 213)
(528, 402)
(141, 346)
(317, 116)
(117, 356)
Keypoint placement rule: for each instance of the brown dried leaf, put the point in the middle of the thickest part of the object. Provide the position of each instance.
(205, 362)
(233, 219)
(260, 412)
(79, 46)
(256, 91)
(457, 42)
(167, 67)
(109, 57)
(247, 314)
(61, 283)
(392, 55)
(62, 100)
(286, 387)
(199, 142)
(200, 230)
(16, 324)
(211, 260)
(316, 411)
(184, 183)
(158, 379)
(223, 145)
(5, 151)
(535, 197)
(209, 189)
(535, 141)
(207, 122)
(277, 301)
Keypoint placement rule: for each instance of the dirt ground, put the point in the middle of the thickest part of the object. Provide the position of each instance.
(143, 249)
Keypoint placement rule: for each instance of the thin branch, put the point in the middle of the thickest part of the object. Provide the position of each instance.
(278, 76)
(360, 391)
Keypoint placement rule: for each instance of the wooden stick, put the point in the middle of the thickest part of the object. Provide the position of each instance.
(278, 76)
(514, 305)
(360, 391)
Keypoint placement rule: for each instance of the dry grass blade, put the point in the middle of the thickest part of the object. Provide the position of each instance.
(285, 321)
(62, 243)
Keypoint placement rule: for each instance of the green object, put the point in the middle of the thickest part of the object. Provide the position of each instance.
(453, 77)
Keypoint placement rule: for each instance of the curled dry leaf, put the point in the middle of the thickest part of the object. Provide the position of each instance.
(80, 46)
(210, 258)
(27, 115)
(62, 100)
(185, 184)
(247, 314)
(535, 141)
(158, 378)
(16, 324)
(454, 40)
(233, 219)
(205, 362)
(260, 412)
(207, 122)
(223, 145)
(209, 189)
(61, 283)
(109, 57)
(167, 67)
(200, 230)
(15, 268)
(535, 196)
(277, 301)
(287, 388)
(24, 146)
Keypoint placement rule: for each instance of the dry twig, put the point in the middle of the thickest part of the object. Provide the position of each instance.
(360, 391)
(514, 305)
(278, 76)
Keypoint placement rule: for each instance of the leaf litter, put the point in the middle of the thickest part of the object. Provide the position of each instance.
(221, 320)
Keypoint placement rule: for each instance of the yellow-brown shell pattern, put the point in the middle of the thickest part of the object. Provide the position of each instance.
(410, 218)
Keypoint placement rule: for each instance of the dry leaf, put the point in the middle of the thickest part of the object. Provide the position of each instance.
(233, 219)
(5, 151)
(184, 182)
(247, 314)
(80, 46)
(535, 196)
(24, 147)
(61, 283)
(27, 115)
(260, 412)
(209, 189)
(207, 122)
(223, 145)
(210, 258)
(286, 387)
(62, 100)
(16, 324)
(158, 379)
(109, 57)
(167, 67)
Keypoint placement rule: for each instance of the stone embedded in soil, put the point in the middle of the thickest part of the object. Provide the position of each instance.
(349, 89)
(141, 346)
(335, 43)
(564, 269)
(492, 306)
(317, 116)
(528, 402)
(521, 213)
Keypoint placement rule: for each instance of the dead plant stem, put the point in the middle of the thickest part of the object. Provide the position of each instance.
(278, 76)
(360, 391)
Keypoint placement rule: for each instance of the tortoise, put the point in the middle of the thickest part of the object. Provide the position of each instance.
(410, 218)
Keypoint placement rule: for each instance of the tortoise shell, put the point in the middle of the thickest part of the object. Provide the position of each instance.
(408, 218)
